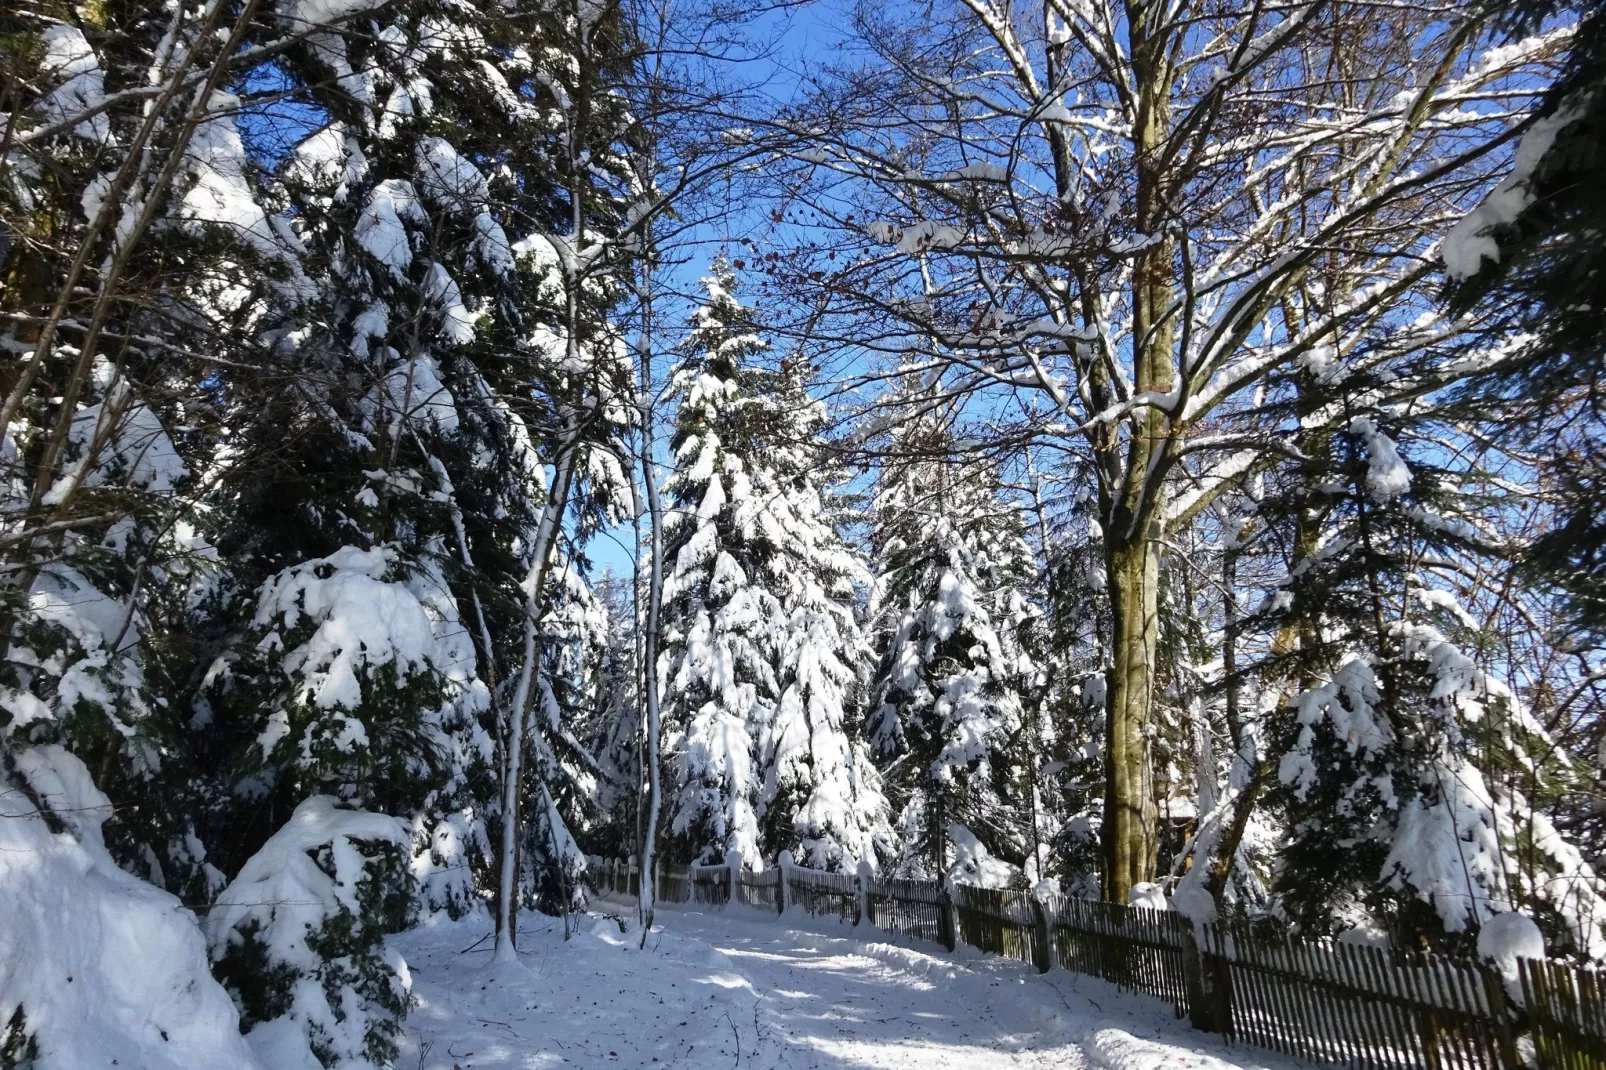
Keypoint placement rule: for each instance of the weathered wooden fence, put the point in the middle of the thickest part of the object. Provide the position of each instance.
(824, 895)
(1003, 922)
(1135, 948)
(1366, 1007)
(1567, 1013)
(910, 908)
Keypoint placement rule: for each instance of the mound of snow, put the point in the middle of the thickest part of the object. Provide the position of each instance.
(1193, 901)
(1147, 894)
(975, 865)
(1504, 939)
(1108, 1048)
(108, 970)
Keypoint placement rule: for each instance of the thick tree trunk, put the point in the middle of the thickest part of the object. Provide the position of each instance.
(1129, 810)
(1131, 536)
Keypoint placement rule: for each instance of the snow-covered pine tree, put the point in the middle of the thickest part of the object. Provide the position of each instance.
(611, 727)
(949, 609)
(821, 796)
(723, 621)
(1411, 782)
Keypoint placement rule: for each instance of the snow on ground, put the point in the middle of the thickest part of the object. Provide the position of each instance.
(738, 988)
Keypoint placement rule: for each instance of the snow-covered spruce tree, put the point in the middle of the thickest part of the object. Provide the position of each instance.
(1525, 260)
(1525, 263)
(143, 245)
(723, 620)
(949, 610)
(611, 725)
(564, 778)
(435, 344)
(1410, 781)
(821, 796)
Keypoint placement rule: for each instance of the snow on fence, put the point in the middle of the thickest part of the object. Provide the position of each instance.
(824, 895)
(762, 889)
(1367, 1007)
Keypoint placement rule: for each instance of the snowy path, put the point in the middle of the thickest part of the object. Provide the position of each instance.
(738, 990)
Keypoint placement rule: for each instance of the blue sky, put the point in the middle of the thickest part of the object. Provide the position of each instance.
(792, 42)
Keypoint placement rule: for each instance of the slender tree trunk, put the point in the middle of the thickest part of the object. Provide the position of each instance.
(655, 589)
(519, 708)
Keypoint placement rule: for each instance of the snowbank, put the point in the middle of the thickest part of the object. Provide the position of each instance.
(108, 970)
(1108, 1048)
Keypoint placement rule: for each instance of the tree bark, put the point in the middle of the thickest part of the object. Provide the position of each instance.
(1131, 536)
(1129, 809)
(519, 709)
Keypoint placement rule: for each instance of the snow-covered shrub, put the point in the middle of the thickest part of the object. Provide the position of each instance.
(298, 937)
(976, 866)
(97, 967)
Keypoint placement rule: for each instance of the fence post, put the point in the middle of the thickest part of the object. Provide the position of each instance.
(1042, 935)
(633, 887)
(862, 914)
(733, 861)
(783, 886)
(947, 917)
(1216, 973)
(1202, 1005)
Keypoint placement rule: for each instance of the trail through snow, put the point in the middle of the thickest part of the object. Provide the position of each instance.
(737, 989)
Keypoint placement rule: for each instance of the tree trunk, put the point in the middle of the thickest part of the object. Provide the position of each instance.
(1129, 810)
(647, 899)
(519, 709)
(1131, 536)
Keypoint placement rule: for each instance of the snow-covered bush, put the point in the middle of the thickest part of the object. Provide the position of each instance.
(298, 938)
(97, 967)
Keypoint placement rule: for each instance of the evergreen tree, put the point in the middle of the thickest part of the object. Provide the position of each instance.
(949, 607)
(723, 622)
(1527, 261)
(1410, 781)
(821, 796)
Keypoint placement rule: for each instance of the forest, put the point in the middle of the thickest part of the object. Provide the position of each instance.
(1136, 450)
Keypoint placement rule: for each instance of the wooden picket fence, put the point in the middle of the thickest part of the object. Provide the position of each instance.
(1326, 1002)
(762, 889)
(1134, 948)
(1002, 922)
(1567, 1014)
(1364, 1006)
(711, 885)
(824, 895)
(909, 908)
